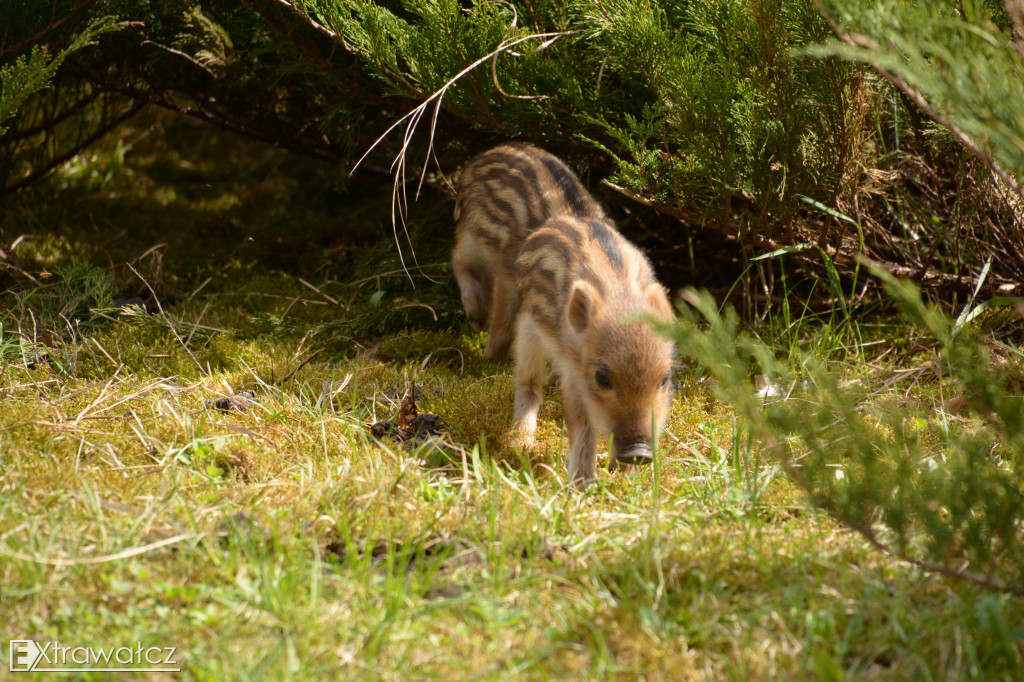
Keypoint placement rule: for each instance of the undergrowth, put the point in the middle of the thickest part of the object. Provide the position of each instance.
(274, 536)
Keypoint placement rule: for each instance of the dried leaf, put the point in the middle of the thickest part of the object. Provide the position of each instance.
(408, 412)
(956, 403)
(370, 353)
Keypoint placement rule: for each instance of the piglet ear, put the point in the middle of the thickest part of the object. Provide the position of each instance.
(583, 300)
(657, 299)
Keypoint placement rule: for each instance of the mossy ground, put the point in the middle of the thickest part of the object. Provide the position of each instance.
(283, 541)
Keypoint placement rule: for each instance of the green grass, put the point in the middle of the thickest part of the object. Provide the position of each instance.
(283, 541)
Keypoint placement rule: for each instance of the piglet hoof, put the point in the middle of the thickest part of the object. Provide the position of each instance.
(522, 439)
(635, 454)
(581, 484)
(496, 351)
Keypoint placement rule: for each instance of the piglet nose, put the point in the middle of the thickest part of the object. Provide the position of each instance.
(636, 453)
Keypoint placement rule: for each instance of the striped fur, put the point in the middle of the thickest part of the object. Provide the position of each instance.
(504, 195)
(581, 286)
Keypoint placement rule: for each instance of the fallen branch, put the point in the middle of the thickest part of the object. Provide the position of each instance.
(302, 364)
(928, 277)
(102, 129)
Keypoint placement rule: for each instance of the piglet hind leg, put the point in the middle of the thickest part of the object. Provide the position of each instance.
(582, 441)
(504, 305)
(530, 379)
(474, 285)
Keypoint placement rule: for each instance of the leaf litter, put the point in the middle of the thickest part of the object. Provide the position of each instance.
(411, 427)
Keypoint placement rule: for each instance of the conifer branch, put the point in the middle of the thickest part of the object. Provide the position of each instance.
(102, 129)
(867, 531)
(55, 25)
(857, 463)
(862, 43)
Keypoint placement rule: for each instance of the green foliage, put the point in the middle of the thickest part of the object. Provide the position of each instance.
(18, 350)
(83, 287)
(73, 302)
(138, 316)
(21, 79)
(218, 61)
(728, 109)
(963, 58)
(30, 73)
(697, 103)
(944, 493)
(723, 115)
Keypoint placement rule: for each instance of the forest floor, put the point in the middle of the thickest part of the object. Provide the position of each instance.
(203, 474)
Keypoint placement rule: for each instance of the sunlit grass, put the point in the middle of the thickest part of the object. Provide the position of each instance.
(302, 546)
(284, 541)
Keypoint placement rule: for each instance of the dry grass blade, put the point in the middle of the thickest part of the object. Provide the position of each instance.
(99, 398)
(196, 325)
(462, 359)
(170, 324)
(494, 61)
(317, 290)
(86, 561)
(399, 202)
(235, 428)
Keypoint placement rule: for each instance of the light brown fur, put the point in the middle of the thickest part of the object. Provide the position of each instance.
(582, 287)
(506, 194)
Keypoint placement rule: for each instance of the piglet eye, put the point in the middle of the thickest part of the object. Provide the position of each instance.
(667, 381)
(603, 378)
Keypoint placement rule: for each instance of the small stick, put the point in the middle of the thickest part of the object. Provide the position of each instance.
(298, 351)
(317, 290)
(301, 365)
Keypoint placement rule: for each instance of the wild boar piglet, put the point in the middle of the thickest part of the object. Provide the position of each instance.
(584, 288)
(504, 195)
